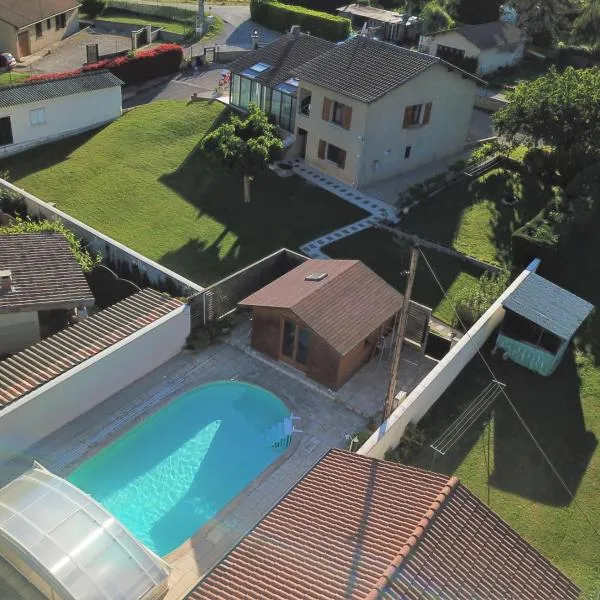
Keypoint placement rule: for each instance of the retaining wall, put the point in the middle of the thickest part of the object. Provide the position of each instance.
(112, 251)
(414, 407)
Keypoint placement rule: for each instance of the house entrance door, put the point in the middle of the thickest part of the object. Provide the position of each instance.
(302, 140)
(24, 46)
(295, 344)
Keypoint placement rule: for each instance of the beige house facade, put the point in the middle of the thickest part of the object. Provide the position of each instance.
(29, 27)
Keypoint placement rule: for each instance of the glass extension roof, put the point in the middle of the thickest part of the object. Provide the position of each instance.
(73, 543)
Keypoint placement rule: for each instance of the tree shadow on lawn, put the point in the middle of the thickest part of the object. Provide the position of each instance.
(550, 406)
(283, 212)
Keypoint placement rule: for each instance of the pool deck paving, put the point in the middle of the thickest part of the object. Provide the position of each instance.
(326, 419)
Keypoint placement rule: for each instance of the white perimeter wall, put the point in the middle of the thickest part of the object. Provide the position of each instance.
(18, 330)
(63, 399)
(424, 396)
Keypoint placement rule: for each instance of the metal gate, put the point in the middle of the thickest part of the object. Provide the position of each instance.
(209, 54)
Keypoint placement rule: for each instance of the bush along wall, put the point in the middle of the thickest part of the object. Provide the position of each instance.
(143, 65)
(281, 17)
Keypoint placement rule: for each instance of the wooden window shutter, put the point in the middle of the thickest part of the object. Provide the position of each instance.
(427, 115)
(322, 146)
(342, 161)
(326, 109)
(347, 118)
(407, 117)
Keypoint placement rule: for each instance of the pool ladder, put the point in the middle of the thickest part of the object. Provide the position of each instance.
(280, 434)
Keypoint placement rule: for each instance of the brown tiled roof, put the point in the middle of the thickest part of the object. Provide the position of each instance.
(45, 274)
(343, 309)
(27, 370)
(360, 528)
(21, 13)
(283, 55)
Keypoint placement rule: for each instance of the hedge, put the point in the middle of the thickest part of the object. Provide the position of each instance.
(281, 17)
(525, 247)
(165, 11)
(145, 64)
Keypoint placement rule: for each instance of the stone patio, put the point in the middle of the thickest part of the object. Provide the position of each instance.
(327, 419)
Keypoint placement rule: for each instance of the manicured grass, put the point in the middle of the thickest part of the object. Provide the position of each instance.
(562, 411)
(471, 217)
(388, 257)
(11, 77)
(143, 181)
(141, 20)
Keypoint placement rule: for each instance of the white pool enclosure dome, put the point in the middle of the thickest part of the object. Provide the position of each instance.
(70, 547)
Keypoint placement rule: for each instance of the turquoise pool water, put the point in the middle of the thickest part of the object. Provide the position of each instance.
(174, 471)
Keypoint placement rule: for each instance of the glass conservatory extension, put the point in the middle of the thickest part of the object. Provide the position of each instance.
(69, 547)
(279, 102)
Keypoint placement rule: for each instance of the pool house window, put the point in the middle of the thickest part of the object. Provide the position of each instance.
(279, 102)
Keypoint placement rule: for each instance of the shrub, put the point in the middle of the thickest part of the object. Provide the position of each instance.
(473, 301)
(93, 7)
(412, 441)
(482, 153)
(281, 17)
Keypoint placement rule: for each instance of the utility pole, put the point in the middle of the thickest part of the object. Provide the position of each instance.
(389, 400)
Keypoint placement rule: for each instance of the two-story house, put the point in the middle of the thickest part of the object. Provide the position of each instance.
(369, 110)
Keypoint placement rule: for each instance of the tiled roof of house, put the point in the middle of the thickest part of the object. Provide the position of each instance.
(552, 307)
(344, 308)
(491, 35)
(366, 69)
(34, 91)
(359, 528)
(45, 274)
(21, 13)
(37, 365)
(283, 56)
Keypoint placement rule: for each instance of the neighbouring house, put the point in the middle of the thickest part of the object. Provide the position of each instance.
(481, 49)
(370, 110)
(38, 112)
(28, 26)
(266, 76)
(361, 528)
(387, 25)
(41, 286)
(540, 320)
(325, 317)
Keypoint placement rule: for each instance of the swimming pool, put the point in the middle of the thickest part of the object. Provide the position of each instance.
(174, 471)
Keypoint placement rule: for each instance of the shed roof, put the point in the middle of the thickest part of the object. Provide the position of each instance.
(41, 363)
(35, 91)
(360, 528)
(370, 12)
(490, 35)
(45, 274)
(344, 308)
(366, 69)
(549, 306)
(282, 56)
(21, 13)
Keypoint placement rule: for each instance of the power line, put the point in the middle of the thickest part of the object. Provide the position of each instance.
(510, 403)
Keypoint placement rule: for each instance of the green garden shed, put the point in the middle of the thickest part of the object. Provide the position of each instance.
(540, 320)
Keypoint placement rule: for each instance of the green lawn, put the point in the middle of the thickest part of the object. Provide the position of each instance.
(381, 251)
(141, 20)
(143, 181)
(563, 412)
(12, 77)
(530, 68)
(471, 218)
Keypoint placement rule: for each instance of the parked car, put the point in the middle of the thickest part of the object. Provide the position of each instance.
(7, 61)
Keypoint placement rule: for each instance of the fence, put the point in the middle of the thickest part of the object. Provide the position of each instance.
(414, 407)
(222, 297)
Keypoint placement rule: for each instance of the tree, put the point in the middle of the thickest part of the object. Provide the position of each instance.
(586, 28)
(435, 18)
(544, 20)
(559, 110)
(92, 8)
(245, 146)
(474, 12)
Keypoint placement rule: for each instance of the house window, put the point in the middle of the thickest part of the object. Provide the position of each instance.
(37, 116)
(38, 31)
(48, 23)
(295, 342)
(244, 92)
(417, 115)
(332, 154)
(234, 90)
(61, 21)
(407, 152)
(6, 135)
(336, 112)
(305, 99)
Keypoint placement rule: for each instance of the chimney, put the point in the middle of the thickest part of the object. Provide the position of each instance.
(295, 31)
(5, 280)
